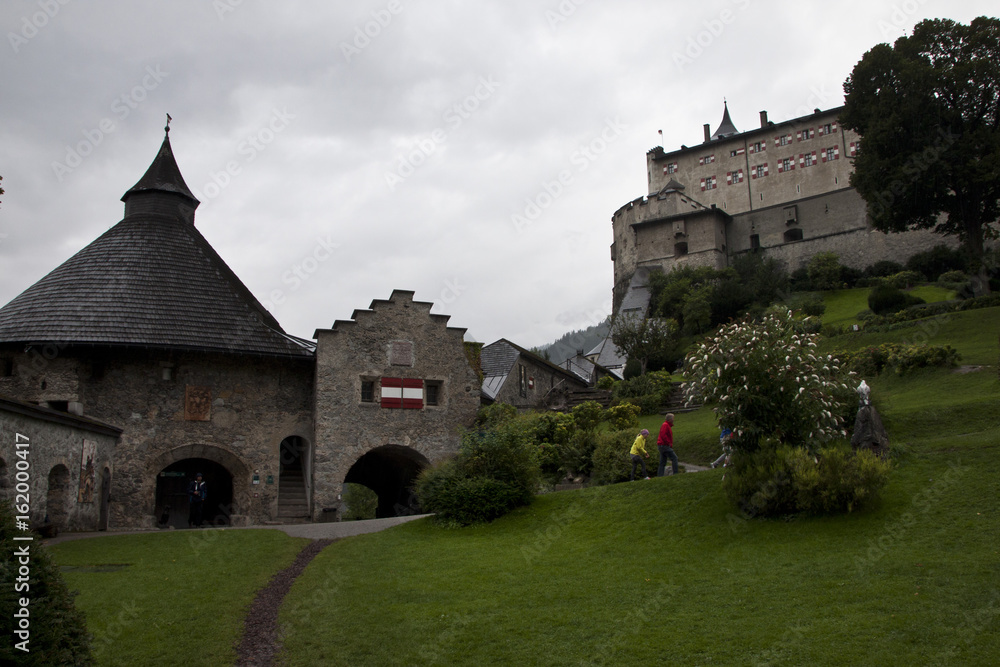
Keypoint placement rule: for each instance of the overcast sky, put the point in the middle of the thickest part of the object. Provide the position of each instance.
(472, 152)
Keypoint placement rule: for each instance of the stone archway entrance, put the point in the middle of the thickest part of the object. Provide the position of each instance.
(57, 497)
(172, 505)
(390, 471)
(293, 487)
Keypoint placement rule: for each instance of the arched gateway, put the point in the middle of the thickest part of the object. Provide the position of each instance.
(223, 473)
(390, 472)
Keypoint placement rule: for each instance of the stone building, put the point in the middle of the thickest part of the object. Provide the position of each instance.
(781, 189)
(148, 331)
(519, 377)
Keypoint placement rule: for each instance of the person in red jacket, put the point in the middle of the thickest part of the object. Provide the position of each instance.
(665, 443)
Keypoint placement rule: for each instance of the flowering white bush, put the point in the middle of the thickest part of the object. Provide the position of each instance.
(768, 381)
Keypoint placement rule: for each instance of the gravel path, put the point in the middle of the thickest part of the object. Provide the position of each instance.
(260, 632)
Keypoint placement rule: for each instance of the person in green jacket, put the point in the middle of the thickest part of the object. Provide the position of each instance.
(639, 447)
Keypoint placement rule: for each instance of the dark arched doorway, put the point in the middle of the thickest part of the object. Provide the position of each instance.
(57, 497)
(390, 471)
(171, 493)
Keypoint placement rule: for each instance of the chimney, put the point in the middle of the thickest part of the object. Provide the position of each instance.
(763, 119)
(708, 133)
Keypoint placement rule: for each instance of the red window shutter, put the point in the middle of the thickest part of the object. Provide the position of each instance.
(765, 169)
(703, 184)
(413, 393)
(392, 393)
(836, 152)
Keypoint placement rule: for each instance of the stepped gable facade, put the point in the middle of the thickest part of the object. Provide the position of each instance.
(782, 189)
(148, 331)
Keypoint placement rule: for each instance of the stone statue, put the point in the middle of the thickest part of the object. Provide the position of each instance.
(869, 433)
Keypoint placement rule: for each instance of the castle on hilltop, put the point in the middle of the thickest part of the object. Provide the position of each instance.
(782, 189)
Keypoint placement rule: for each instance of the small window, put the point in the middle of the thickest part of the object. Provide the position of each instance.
(828, 129)
(680, 249)
(786, 164)
(831, 154)
(671, 168)
(755, 241)
(368, 391)
(793, 235)
(432, 392)
(7, 367)
(522, 377)
(785, 139)
(808, 159)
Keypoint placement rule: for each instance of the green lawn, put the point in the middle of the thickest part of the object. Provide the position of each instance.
(171, 598)
(659, 571)
(843, 306)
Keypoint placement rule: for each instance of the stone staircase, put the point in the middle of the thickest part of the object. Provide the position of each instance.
(293, 506)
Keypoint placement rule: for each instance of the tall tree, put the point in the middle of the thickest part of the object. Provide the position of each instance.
(643, 338)
(928, 112)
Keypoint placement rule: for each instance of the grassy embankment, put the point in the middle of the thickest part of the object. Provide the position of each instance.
(636, 573)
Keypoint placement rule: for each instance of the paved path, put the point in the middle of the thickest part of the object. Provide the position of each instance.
(315, 531)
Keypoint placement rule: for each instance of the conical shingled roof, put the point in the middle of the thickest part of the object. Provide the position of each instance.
(152, 280)
(726, 127)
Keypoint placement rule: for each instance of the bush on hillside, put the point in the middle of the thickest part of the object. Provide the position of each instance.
(490, 415)
(767, 380)
(607, 382)
(58, 631)
(885, 298)
(903, 279)
(623, 416)
(777, 480)
(611, 460)
(495, 471)
(939, 259)
(814, 306)
(587, 416)
(876, 359)
(882, 269)
(824, 271)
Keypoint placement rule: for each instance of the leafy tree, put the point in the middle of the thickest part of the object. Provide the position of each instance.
(698, 310)
(929, 114)
(643, 338)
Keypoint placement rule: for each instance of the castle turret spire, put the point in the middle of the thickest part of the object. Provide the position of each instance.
(726, 127)
(162, 188)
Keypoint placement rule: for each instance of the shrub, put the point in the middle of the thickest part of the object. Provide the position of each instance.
(939, 259)
(904, 279)
(361, 502)
(649, 404)
(824, 271)
(493, 414)
(495, 471)
(885, 298)
(875, 359)
(606, 382)
(814, 306)
(851, 277)
(58, 630)
(768, 381)
(883, 268)
(587, 416)
(800, 280)
(611, 461)
(622, 417)
(783, 480)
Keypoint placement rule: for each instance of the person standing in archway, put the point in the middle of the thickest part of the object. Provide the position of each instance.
(197, 492)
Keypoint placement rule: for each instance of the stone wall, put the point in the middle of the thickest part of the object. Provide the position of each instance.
(245, 407)
(60, 470)
(396, 338)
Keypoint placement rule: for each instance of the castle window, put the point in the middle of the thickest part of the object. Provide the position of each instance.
(708, 159)
(738, 151)
(708, 183)
(755, 241)
(793, 235)
(828, 129)
(831, 154)
(783, 140)
(807, 159)
(855, 147)
(368, 391)
(734, 177)
(680, 249)
(806, 134)
(758, 147)
(432, 392)
(671, 168)
(759, 171)
(786, 164)
(522, 381)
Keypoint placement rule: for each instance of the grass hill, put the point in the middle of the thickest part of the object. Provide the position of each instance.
(659, 571)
